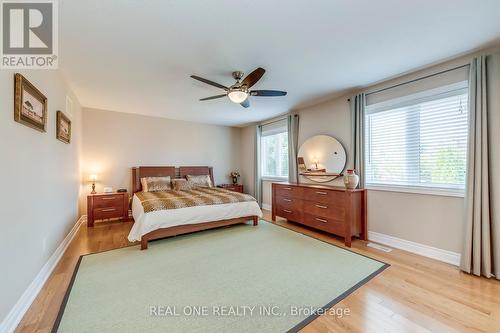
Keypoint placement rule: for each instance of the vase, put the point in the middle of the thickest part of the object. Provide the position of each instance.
(351, 180)
(235, 180)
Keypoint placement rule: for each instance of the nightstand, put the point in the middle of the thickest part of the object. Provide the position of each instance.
(107, 206)
(232, 187)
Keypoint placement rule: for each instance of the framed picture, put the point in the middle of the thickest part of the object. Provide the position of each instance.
(30, 105)
(63, 127)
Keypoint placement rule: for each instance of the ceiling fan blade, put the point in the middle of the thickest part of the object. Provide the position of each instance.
(267, 93)
(245, 103)
(213, 97)
(212, 83)
(253, 77)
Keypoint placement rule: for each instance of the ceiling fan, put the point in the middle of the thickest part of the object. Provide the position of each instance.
(240, 91)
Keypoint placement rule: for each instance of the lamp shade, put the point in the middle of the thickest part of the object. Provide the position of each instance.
(93, 177)
(237, 96)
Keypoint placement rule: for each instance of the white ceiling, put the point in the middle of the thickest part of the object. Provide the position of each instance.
(136, 56)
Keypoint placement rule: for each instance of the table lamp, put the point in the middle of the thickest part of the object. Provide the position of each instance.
(315, 162)
(93, 178)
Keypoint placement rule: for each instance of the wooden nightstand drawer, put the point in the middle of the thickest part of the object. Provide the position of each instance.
(108, 201)
(108, 212)
(232, 187)
(107, 206)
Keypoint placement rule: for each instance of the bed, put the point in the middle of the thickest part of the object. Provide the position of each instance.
(158, 222)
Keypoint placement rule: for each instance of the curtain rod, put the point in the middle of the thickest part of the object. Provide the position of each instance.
(415, 80)
(273, 121)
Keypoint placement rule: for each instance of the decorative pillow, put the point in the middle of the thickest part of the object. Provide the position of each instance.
(202, 180)
(181, 185)
(156, 184)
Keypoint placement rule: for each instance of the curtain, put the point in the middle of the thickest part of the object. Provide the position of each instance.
(258, 181)
(293, 142)
(481, 251)
(358, 103)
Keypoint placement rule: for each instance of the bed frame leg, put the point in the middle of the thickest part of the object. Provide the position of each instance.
(255, 220)
(144, 243)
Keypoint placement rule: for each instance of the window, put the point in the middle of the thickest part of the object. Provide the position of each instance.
(274, 150)
(418, 142)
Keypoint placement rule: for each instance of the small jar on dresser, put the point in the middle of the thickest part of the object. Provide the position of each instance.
(336, 210)
(102, 206)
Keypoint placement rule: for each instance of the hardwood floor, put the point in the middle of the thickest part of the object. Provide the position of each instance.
(415, 294)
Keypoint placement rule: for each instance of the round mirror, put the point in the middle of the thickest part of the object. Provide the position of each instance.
(321, 159)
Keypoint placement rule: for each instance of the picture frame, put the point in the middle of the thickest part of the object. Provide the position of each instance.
(30, 105)
(63, 127)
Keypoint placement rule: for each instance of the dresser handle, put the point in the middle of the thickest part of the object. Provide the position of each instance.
(322, 207)
(108, 210)
(287, 188)
(321, 220)
(321, 193)
(287, 211)
(111, 198)
(287, 200)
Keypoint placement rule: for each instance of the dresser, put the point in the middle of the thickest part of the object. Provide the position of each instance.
(107, 206)
(332, 209)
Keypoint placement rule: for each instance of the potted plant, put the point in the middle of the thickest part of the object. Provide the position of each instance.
(235, 175)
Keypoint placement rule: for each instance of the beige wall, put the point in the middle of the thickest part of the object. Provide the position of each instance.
(427, 219)
(41, 182)
(114, 142)
(332, 118)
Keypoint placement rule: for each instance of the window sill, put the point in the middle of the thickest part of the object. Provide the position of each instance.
(274, 179)
(425, 191)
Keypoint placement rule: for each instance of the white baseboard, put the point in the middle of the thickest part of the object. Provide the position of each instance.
(417, 248)
(10, 322)
(266, 206)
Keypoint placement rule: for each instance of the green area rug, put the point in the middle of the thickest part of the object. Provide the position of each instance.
(237, 279)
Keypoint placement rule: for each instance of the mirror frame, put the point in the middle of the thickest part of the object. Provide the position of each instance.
(322, 179)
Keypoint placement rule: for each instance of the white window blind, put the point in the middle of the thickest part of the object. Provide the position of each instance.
(274, 150)
(419, 141)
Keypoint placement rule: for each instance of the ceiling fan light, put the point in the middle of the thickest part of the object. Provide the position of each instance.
(237, 96)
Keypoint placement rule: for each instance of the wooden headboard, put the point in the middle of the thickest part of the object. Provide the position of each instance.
(149, 171)
(164, 171)
(196, 171)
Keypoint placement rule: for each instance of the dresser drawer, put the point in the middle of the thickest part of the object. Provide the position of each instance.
(291, 214)
(108, 201)
(331, 211)
(289, 203)
(289, 191)
(325, 224)
(325, 196)
(108, 212)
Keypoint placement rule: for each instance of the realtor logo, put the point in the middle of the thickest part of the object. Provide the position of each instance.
(29, 34)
